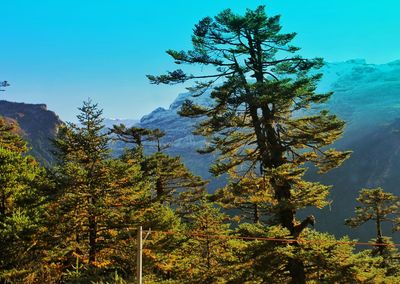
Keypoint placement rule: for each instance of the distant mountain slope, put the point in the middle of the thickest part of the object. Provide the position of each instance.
(366, 96)
(375, 162)
(38, 126)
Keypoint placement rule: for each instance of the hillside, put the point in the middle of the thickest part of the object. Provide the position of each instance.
(366, 96)
(38, 125)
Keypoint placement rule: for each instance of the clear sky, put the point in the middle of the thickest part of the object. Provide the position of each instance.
(60, 52)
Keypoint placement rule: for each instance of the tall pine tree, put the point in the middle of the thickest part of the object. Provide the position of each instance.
(82, 151)
(258, 119)
(100, 201)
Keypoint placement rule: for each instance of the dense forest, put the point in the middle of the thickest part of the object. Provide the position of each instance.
(77, 220)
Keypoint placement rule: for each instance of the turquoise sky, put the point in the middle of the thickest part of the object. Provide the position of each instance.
(60, 52)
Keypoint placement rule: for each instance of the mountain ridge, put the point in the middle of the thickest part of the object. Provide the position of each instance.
(366, 96)
(38, 124)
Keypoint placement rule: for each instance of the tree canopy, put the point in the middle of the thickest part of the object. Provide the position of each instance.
(76, 221)
(260, 122)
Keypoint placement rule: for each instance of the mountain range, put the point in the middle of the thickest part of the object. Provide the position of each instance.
(366, 96)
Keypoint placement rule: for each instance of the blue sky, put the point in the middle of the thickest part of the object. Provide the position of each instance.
(62, 52)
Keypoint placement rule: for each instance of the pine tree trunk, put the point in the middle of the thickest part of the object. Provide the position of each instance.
(159, 188)
(296, 269)
(92, 238)
(272, 156)
(286, 218)
(285, 215)
(256, 214)
(3, 206)
(379, 238)
(92, 232)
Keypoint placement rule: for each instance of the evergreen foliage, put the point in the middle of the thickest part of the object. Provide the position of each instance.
(257, 122)
(173, 183)
(98, 197)
(21, 204)
(77, 221)
(379, 206)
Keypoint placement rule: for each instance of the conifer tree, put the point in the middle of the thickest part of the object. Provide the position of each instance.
(249, 195)
(258, 119)
(202, 251)
(173, 183)
(82, 151)
(210, 255)
(21, 204)
(380, 207)
(331, 260)
(99, 204)
(9, 138)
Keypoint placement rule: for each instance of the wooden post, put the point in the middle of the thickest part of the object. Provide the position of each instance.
(139, 256)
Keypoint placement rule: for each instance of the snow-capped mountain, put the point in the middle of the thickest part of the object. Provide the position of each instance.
(109, 122)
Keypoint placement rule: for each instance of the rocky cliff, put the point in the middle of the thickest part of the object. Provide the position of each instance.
(38, 126)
